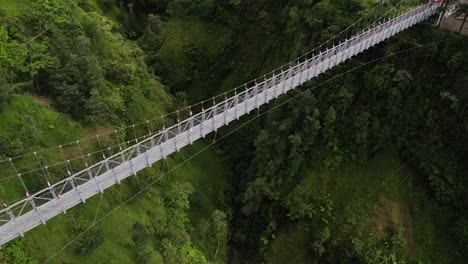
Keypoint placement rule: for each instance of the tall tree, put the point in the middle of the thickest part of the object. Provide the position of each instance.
(220, 229)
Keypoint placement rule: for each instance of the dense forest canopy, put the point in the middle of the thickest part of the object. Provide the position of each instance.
(369, 167)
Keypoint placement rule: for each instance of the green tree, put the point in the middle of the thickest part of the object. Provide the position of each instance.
(144, 255)
(140, 234)
(54, 14)
(40, 59)
(12, 59)
(80, 72)
(220, 229)
(89, 242)
(152, 38)
(13, 252)
(97, 111)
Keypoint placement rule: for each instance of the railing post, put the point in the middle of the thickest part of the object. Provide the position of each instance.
(189, 133)
(320, 62)
(35, 208)
(236, 98)
(341, 49)
(161, 147)
(332, 57)
(95, 179)
(308, 67)
(291, 77)
(339, 53)
(122, 155)
(202, 125)
(246, 100)
(275, 87)
(283, 80)
(393, 26)
(117, 180)
(13, 219)
(146, 155)
(56, 197)
(213, 120)
(178, 131)
(368, 39)
(361, 39)
(76, 188)
(225, 109)
(138, 149)
(175, 142)
(326, 54)
(347, 50)
(313, 65)
(148, 164)
(265, 88)
(256, 94)
(301, 67)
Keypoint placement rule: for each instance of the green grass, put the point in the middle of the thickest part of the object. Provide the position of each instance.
(53, 127)
(356, 190)
(15, 7)
(47, 129)
(290, 246)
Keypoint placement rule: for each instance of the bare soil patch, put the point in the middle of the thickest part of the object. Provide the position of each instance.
(388, 215)
(105, 133)
(43, 101)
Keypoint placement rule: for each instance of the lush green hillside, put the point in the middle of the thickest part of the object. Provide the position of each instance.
(375, 202)
(370, 168)
(84, 70)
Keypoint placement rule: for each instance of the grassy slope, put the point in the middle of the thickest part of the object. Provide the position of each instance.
(206, 174)
(356, 190)
(15, 6)
(55, 129)
(51, 128)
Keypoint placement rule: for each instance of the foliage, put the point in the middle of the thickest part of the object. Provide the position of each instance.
(200, 8)
(372, 108)
(14, 253)
(12, 59)
(80, 61)
(140, 234)
(219, 229)
(175, 241)
(88, 242)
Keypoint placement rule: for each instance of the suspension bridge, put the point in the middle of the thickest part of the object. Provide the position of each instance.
(56, 198)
